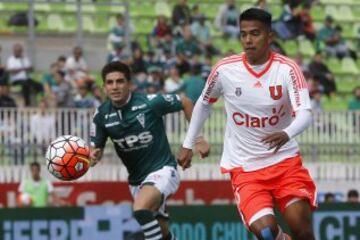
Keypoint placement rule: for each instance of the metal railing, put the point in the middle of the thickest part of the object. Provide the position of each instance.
(25, 134)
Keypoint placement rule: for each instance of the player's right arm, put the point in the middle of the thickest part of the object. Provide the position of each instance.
(98, 137)
(200, 113)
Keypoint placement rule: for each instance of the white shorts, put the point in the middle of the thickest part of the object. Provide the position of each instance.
(166, 180)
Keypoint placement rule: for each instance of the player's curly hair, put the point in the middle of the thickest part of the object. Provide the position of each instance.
(256, 14)
(116, 66)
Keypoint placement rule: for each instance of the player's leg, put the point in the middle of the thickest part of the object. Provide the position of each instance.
(296, 197)
(157, 187)
(146, 203)
(298, 217)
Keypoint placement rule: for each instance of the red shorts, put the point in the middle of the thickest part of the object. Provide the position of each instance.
(281, 183)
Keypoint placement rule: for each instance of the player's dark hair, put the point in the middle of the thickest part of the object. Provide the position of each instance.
(256, 14)
(353, 193)
(116, 67)
(35, 164)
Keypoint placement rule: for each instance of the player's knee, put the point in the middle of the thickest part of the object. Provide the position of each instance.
(144, 216)
(268, 233)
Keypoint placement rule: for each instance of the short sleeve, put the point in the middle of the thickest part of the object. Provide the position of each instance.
(297, 89)
(165, 103)
(98, 135)
(213, 89)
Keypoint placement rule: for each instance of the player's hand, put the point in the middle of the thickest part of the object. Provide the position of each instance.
(276, 140)
(202, 147)
(184, 157)
(95, 156)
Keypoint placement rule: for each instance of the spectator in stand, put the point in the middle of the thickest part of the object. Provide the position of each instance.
(159, 32)
(3, 74)
(42, 125)
(262, 4)
(353, 196)
(329, 39)
(299, 59)
(188, 46)
(139, 65)
(201, 32)
(227, 19)
(19, 68)
(40, 190)
(84, 100)
(329, 198)
(119, 54)
(193, 85)
(289, 24)
(77, 71)
(49, 82)
(118, 32)
(173, 82)
(195, 13)
(308, 28)
(321, 73)
(181, 14)
(5, 100)
(206, 67)
(61, 62)
(62, 92)
(155, 79)
(354, 103)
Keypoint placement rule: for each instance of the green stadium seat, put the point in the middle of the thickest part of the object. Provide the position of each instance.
(88, 8)
(334, 65)
(318, 13)
(55, 22)
(143, 9)
(88, 23)
(348, 66)
(332, 10)
(306, 48)
(70, 7)
(162, 8)
(210, 9)
(276, 11)
(42, 7)
(291, 47)
(117, 9)
(70, 23)
(144, 25)
(346, 13)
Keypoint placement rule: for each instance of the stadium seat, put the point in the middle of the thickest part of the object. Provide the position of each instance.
(348, 66)
(88, 8)
(334, 65)
(162, 8)
(144, 25)
(55, 22)
(70, 7)
(70, 23)
(306, 48)
(142, 9)
(345, 13)
(318, 13)
(42, 7)
(276, 11)
(291, 47)
(88, 23)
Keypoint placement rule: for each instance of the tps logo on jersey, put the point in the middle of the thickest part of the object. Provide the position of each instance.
(246, 120)
(276, 95)
(134, 142)
(238, 91)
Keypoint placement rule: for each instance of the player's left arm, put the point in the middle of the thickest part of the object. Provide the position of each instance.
(300, 101)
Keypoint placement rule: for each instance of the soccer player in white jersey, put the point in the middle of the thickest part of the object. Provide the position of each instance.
(267, 104)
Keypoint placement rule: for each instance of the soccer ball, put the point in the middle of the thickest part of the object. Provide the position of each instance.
(68, 157)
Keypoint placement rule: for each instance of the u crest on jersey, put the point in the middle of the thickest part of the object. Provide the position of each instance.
(238, 91)
(275, 92)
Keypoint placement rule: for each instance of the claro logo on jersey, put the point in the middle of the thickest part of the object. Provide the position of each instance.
(133, 142)
(246, 120)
